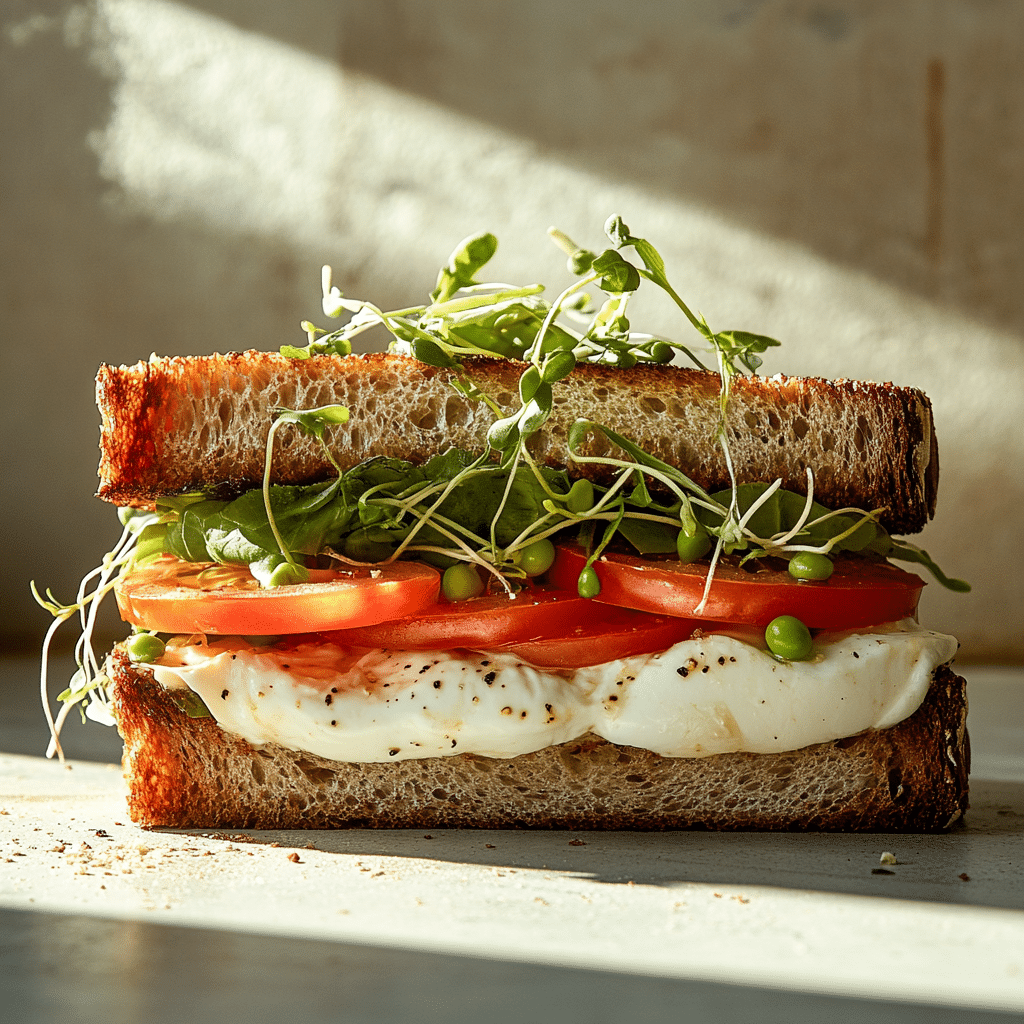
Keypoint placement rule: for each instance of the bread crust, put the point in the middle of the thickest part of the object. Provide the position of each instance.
(173, 425)
(189, 773)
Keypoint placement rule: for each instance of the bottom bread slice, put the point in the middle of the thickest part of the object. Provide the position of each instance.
(187, 772)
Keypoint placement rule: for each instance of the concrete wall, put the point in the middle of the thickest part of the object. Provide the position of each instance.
(845, 176)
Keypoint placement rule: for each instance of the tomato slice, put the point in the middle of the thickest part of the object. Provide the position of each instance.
(859, 592)
(481, 622)
(607, 637)
(173, 596)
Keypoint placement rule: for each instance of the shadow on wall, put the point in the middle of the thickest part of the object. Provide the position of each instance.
(854, 129)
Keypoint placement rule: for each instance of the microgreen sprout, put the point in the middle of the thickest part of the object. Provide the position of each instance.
(466, 317)
(88, 685)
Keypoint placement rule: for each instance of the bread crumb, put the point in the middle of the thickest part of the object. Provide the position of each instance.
(888, 858)
(577, 842)
(294, 858)
(964, 877)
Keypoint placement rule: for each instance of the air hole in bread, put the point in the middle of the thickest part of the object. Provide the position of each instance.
(800, 428)
(650, 404)
(456, 412)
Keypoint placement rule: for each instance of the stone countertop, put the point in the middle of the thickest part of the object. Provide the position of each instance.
(762, 920)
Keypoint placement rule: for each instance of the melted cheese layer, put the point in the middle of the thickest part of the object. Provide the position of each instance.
(710, 695)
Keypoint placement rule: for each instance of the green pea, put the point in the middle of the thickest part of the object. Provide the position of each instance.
(287, 574)
(661, 353)
(461, 582)
(788, 638)
(809, 565)
(588, 585)
(537, 557)
(690, 548)
(580, 497)
(144, 647)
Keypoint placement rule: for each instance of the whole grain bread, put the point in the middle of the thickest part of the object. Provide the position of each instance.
(189, 773)
(173, 425)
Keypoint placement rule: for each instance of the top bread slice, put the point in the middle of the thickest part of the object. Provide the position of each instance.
(173, 425)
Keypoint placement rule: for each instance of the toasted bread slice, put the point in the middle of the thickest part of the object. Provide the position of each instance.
(182, 424)
(189, 773)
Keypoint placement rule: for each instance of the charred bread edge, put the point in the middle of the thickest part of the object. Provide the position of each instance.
(189, 773)
(150, 444)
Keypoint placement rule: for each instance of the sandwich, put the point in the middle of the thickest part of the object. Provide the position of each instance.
(521, 570)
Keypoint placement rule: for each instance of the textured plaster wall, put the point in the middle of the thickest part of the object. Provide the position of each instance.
(845, 176)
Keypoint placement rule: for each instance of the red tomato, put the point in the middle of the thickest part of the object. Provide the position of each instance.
(172, 596)
(606, 637)
(859, 593)
(480, 622)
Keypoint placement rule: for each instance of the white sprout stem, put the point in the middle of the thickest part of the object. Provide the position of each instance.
(43, 688)
(54, 745)
(529, 535)
(533, 353)
(808, 504)
(504, 498)
(476, 301)
(757, 504)
(701, 497)
(539, 477)
(85, 657)
(266, 491)
(409, 504)
(112, 564)
(699, 608)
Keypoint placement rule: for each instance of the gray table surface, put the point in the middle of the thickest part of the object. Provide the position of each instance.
(100, 920)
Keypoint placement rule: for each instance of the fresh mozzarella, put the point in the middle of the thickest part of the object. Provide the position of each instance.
(708, 695)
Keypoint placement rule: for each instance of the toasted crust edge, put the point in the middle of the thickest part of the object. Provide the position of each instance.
(189, 773)
(172, 425)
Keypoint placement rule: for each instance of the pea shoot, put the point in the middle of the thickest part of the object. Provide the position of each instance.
(788, 638)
